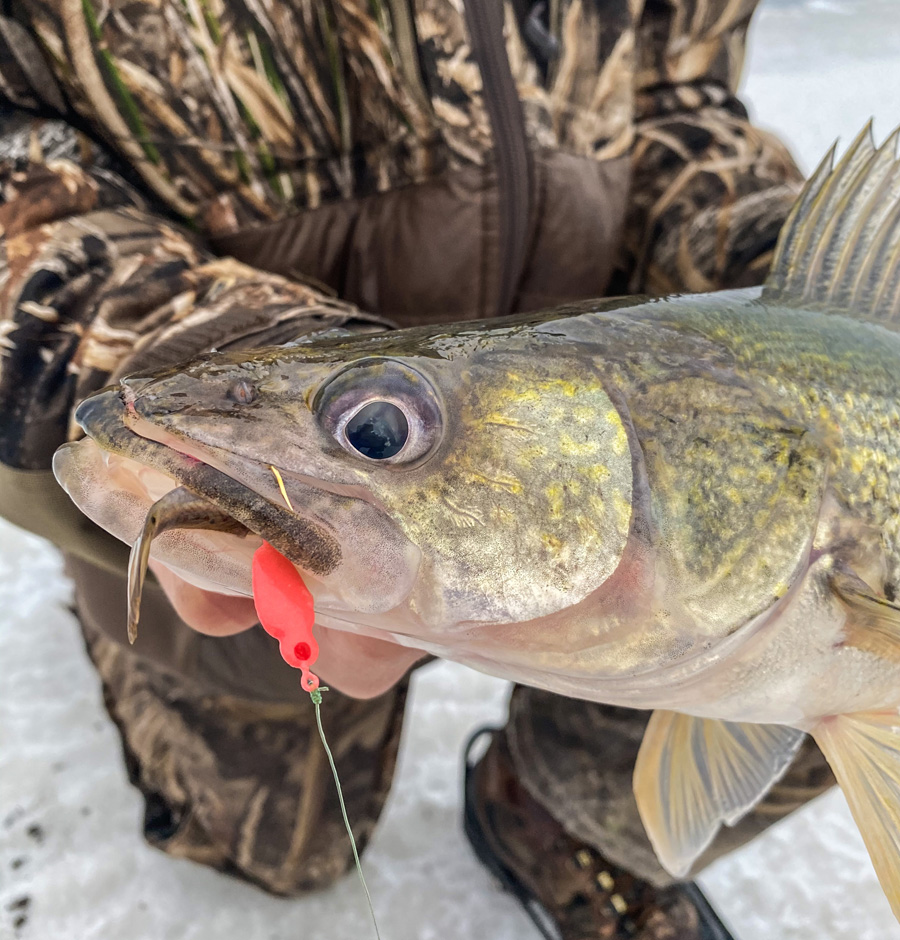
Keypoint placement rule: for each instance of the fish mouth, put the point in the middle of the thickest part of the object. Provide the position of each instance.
(111, 422)
(195, 495)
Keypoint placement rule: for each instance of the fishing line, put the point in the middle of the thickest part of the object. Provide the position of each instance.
(316, 696)
(281, 487)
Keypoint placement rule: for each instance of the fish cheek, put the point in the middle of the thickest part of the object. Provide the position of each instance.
(526, 508)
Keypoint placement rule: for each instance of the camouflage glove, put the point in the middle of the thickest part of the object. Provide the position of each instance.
(710, 191)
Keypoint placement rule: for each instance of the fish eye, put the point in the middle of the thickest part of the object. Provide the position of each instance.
(378, 430)
(381, 410)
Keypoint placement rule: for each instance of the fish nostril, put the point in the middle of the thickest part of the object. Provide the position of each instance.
(242, 392)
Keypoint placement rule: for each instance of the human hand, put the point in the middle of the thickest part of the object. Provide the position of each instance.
(358, 666)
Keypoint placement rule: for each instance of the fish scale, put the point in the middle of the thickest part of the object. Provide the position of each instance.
(839, 378)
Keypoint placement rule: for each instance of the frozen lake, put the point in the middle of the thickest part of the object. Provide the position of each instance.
(69, 822)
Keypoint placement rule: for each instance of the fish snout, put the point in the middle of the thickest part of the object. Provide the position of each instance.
(227, 393)
(100, 410)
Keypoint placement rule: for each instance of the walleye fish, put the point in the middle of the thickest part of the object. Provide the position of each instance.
(689, 504)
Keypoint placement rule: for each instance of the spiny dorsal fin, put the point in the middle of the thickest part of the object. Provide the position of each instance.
(840, 246)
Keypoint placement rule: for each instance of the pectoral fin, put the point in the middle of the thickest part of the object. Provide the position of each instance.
(864, 753)
(693, 774)
(873, 622)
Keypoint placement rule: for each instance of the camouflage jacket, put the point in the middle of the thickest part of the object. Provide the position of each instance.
(182, 174)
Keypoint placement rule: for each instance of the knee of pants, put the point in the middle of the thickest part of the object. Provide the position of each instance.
(244, 786)
(283, 853)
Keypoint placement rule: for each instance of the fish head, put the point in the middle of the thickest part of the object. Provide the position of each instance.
(431, 490)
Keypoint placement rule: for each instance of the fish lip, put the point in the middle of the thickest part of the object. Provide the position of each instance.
(308, 544)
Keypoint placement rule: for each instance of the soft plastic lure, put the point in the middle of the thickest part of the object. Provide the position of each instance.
(285, 609)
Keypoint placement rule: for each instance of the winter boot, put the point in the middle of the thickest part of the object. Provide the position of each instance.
(567, 888)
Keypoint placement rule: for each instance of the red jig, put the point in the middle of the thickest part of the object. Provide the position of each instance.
(285, 610)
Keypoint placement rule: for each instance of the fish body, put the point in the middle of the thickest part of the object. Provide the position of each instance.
(688, 504)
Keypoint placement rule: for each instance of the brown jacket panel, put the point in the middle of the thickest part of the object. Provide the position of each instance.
(429, 253)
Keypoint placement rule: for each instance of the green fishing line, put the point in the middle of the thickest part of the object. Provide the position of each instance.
(316, 696)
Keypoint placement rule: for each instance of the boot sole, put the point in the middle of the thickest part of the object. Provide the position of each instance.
(711, 925)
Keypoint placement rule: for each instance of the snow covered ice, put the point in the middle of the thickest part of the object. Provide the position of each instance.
(70, 823)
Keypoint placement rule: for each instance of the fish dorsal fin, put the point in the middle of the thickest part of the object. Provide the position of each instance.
(694, 774)
(840, 247)
(864, 752)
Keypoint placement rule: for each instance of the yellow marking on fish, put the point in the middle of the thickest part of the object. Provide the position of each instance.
(569, 447)
(857, 462)
(524, 395)
(620, 440)
(622, 508)
(596, 472)
(569, 389)
(281, 487)
(507, 484)
(529, 454)
(501, 515)
(551, 542)
(781, 588)
(555, 496)
(761, 518)
(464, 518)
(501, 421)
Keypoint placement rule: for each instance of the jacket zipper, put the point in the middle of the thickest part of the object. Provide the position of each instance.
(501, 98)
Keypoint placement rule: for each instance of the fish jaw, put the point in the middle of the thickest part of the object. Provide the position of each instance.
(118, 472)
(116, 493)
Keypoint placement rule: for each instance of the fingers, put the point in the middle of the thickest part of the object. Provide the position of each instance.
(358, 666)
(205, 611)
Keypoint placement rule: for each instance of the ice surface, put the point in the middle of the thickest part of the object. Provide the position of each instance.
(69, 822)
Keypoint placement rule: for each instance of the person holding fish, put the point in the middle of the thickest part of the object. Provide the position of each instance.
(546, 498)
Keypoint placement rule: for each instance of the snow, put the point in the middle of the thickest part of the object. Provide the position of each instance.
(70, 823)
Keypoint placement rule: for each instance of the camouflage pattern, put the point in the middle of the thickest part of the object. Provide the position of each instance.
(136, 131)
(74, 237)
(709, 193)
(242, 785)
(240, 111)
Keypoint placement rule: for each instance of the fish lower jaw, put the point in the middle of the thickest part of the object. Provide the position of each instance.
(116, 492)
